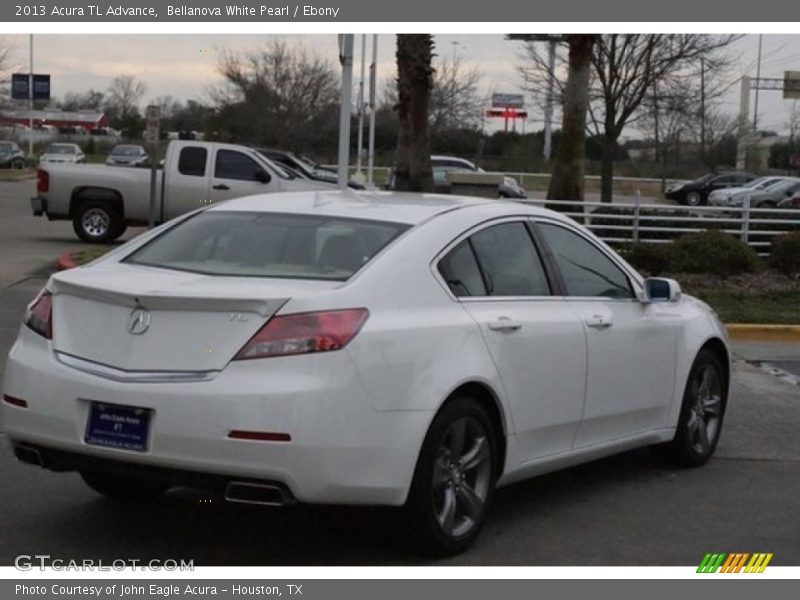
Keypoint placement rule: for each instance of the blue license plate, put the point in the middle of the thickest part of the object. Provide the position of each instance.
(116, 426)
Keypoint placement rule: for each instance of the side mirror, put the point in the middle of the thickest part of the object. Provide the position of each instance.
(262, 176)
(658, 289)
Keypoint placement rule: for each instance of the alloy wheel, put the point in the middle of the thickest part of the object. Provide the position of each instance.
(462, 476)
(705, 412)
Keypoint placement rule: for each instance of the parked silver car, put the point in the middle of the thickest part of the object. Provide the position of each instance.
(733, 196)
(128, 155)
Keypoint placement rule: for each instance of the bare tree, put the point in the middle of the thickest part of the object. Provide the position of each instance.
(414, 85)
(566, 182)
(276, 95)
(167, 105)
(123, 96)
(4, 67)
(456, 100)
(625, 67)
(88, 100)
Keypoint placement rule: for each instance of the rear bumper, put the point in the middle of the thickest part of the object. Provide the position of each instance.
(342, 450)
(38, 206)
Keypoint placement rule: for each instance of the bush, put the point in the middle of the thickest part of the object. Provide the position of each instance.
(652, 259)
(785, 255)
(712, 252)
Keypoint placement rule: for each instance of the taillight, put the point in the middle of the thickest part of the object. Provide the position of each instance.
(42, 181)
(39, 315)
(305, 333)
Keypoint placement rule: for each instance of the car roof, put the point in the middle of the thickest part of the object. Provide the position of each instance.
(397, 207)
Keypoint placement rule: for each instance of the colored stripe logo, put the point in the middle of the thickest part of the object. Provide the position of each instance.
(735, 562)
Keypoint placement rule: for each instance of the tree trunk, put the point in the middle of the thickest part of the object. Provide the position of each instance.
(414, 84)
(607, 168)
(566, 182)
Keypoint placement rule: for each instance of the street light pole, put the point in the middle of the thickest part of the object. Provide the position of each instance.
(30, 100)
(346, 60)
(359, 174)
(373, 85)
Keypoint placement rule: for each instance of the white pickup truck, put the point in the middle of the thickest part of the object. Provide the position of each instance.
(101, 201)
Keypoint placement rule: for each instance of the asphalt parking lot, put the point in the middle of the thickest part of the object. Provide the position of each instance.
(625, 510)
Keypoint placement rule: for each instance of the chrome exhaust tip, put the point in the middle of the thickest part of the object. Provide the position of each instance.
(264, 494)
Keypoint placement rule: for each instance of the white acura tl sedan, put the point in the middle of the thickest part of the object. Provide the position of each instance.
(360, 348)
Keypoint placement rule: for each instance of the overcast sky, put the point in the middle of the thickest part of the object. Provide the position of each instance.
(184, 65)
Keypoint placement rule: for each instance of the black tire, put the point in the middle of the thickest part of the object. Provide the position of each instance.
(702, 413)
(767, 204)
(693, 198)
(96, 222)
(124, 488)
(466, 486)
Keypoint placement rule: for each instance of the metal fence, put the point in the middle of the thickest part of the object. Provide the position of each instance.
(662, 223)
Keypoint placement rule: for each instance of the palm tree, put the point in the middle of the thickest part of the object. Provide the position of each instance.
(566, 182)
(414, 84)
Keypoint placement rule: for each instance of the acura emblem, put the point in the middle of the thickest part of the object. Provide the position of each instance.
(139, 321)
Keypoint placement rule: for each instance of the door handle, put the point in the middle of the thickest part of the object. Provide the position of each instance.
(505, 324)
(221, 186)
(598, 322)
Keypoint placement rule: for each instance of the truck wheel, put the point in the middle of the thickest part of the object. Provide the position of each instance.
(95, 222)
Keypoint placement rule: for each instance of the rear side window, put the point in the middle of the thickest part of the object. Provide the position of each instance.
(586, 270)
(268, 245)
(499, 260)
(192, 161)
(461, 272)
(510, 262)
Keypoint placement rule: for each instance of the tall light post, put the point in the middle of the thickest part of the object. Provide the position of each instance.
(360, 101)
(30, 100)
(373, 85)
(346, 60)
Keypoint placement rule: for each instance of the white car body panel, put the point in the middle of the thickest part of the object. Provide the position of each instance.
(564, 393)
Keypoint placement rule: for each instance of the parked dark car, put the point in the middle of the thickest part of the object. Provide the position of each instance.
(695, 193)
(11, 157)
(305, 167)
(128, 155)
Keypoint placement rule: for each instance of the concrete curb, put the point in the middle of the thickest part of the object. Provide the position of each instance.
(752, 332)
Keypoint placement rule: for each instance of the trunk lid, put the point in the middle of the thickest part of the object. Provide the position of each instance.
(139, 318)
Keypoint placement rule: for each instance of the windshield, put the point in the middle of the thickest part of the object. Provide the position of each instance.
(60, 149)
(253, 244)
(127, 151)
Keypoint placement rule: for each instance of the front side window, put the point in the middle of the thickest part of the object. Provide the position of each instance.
(585, 269)
(235, 165)
(253, 244)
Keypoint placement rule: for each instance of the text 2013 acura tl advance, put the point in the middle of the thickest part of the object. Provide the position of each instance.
(340, 347)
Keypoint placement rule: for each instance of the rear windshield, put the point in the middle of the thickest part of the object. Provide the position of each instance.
(60, 149)
(126, 151)
(268, 245)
